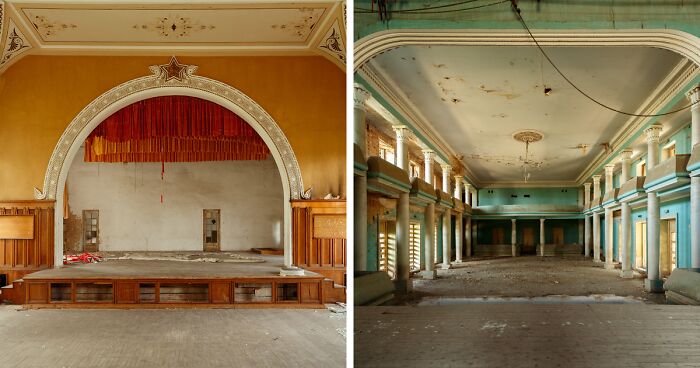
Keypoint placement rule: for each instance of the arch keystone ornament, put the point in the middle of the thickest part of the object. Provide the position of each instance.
(172, 78)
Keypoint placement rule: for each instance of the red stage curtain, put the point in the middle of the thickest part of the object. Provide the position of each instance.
(174, 129)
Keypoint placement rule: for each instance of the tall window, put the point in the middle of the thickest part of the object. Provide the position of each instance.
(668, 151)
(641, 245)
(386, 151)
(435, 244)
(414, 246)
(642, 169)
(413, 170)
(387, 248)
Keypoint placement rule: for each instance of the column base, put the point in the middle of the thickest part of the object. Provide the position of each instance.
(402, 286)
(429, 275)
(458, 261)
(597, 260)
(610, 266)
(627, 274)
(654, 286)
(445, 266)
(291, 271)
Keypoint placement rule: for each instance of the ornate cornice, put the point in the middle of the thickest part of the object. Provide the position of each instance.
(360, 97)
(151, 85)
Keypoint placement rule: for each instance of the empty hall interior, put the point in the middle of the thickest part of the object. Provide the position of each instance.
(526, 183)
(172, 183)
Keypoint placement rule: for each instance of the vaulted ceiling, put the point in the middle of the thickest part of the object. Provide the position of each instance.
(475, 98)
(214, 27)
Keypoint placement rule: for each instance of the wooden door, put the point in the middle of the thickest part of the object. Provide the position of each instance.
(528, 237)
(558, 235)
(212, 235)
(498, 235)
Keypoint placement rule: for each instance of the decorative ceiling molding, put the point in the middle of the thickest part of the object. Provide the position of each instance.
(391, 93)
(333, 43)
(48, 28)
(174, 26)
(667, 90)
(529, 184)
(677, 41)
(97, 27)
(15, 44)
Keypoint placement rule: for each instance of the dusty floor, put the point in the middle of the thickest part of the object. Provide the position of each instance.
(530, 276)
(530, 335)
(171, 338)
(130, 268)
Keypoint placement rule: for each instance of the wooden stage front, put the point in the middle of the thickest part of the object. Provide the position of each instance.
(165, 284)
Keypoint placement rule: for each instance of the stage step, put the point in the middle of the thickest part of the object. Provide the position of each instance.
(332, 292)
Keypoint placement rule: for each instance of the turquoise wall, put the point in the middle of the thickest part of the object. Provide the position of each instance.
(678, 209)
(510, 196)
(485, 230)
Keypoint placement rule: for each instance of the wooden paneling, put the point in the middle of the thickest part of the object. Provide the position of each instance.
(16, 227)
(310, 292)
(221, 292)
(21, 256)
(37, 292)
(319, 237)
(126, 292)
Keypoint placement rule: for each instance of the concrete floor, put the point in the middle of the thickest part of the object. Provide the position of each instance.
(530, 276)
(530, 335)
(171, 338)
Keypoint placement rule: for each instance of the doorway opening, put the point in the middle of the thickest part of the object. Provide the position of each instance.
(668, 259)
(640, 245)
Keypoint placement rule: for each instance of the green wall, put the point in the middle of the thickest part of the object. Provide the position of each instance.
(517, 196)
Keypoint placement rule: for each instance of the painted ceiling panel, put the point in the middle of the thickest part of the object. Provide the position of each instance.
(477, 97)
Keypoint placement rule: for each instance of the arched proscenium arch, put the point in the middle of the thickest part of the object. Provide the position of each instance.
(160, 84)
(681, 42)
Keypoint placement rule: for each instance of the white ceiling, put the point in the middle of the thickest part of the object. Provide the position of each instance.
(475, 98)
(215, 27)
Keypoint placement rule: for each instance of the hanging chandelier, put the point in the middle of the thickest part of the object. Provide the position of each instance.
(527, 163)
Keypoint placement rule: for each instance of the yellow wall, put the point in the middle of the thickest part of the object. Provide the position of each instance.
(40, 95)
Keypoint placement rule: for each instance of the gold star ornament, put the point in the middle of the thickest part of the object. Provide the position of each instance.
(173, 70)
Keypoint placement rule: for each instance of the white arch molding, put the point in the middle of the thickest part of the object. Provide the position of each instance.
(161, 83)
(680, 42)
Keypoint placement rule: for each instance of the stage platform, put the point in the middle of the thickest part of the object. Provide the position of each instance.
(139, 283)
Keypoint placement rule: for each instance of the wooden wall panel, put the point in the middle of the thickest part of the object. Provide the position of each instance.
(19, 257)
(318, 236)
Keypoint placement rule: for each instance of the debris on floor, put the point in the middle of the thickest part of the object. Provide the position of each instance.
(337, 307)
(81, 258)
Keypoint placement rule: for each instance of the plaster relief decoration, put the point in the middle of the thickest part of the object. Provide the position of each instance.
(164, 79)
(303, 25)
(333, 44)
(174, 26)
(48, 28)
(15, 44)
(2, 15)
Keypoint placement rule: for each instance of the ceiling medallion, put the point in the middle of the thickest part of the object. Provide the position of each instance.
(173, 71)
(174, 26)
(528, 136)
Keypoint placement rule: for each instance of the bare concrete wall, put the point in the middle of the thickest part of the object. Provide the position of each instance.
(248, 193)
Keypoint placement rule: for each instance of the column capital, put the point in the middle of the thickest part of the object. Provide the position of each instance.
(587, 186)
(626, 154)
(466, 184)
(512, 220)
(446, 168)
(609, 168)
(653, 133)
(459, 178)
(360, 97)
(596, 178)
(542, 220)
(401, 131)
(694, 96)
(428, 155)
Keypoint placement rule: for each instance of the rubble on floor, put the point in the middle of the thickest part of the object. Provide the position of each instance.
(184, 256)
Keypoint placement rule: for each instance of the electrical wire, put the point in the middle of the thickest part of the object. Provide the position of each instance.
(516, 10)
(419, 11)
